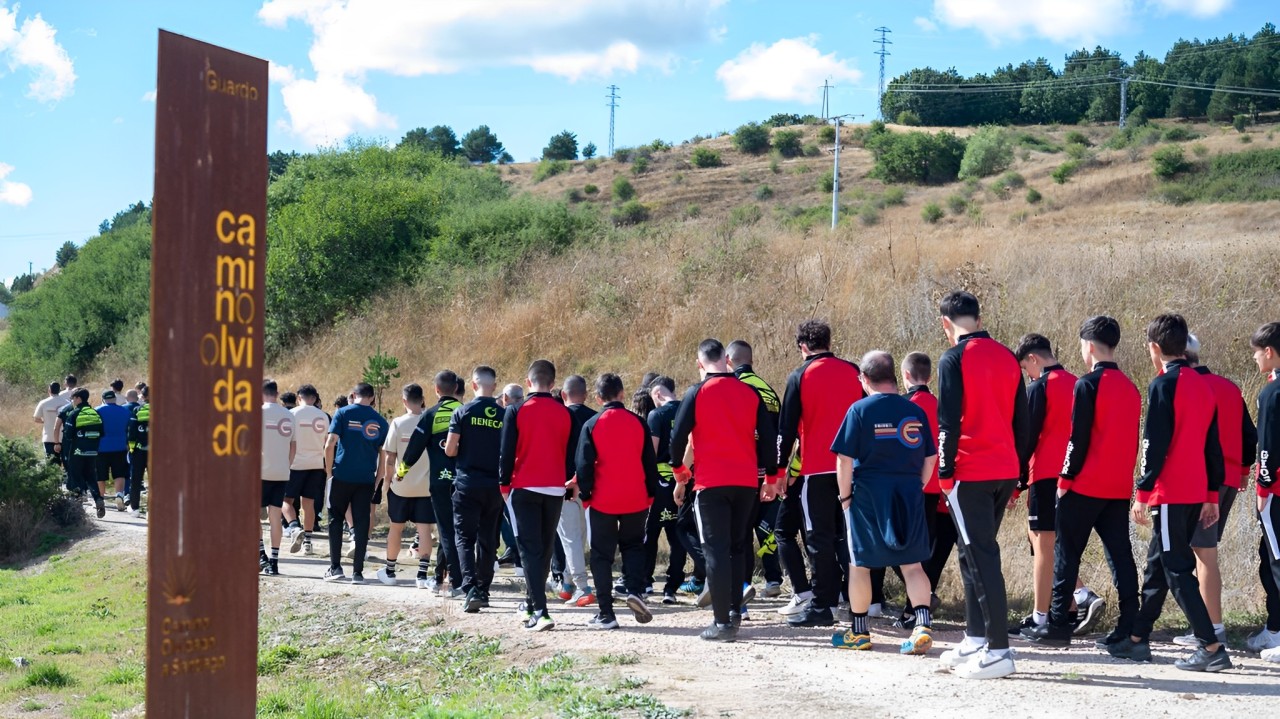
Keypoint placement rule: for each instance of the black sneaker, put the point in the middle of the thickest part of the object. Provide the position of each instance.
(813, 617)
(669, 598)
(719, 633)
(1048, 635)
(1028, 622)
(735, 620)
(357, 577)
(1203, 660)
(101, 507)
(603, 621)
(507, 559)
(273, 569)
(1128, 649)
(1110, 639)
(334, 574)
(263, 562)
(484, 600)
(472, 604)
(1089, 614)
(639, 609)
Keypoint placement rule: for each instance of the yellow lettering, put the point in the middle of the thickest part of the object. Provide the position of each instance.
(223, 227)
(246, 232)
(233, 306)
(230, 395)
(230, 438)
(232, 268)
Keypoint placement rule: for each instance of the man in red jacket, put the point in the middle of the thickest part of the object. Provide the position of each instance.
(1095, 484)
(1181, 473)
(536, 462)
(617, 480)
(917, 370)
(732, 434)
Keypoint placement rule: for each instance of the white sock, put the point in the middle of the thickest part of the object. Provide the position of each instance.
(1082, 594)
(1219, 628)
(971, 643)
(806, 595)
(1041, 618)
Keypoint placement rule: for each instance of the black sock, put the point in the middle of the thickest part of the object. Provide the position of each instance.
(262, 548)
(924, 617)
(391, 567)
(275, 553)
(860, 623)
(423, 565)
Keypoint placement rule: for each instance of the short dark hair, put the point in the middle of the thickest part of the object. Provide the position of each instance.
(647, 380)
(307, 390)
(1267, 335)
(1033, 344)
(412, 392)
(710, 350)
(878, 367)
(485, 372)
(957, 304)
(446, 381)
(461, 388)
(1101, 330)
(918, 366)
(341, 401)
(54, 388)
(145, 391)
(117, 384)
(664, 381)
(70, 380)
(1169, 332)
(140, 385)
(542, 373)
(814, 334)
(740, 352)
(270, 388)
(82, 393)
(575, 385)
(609, 387)
(364, 389)
(288, 398)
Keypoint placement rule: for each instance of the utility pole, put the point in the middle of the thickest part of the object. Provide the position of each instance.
(835, 181)
(882, 52)
(1124, 99)
(613, 108)
(826, 106)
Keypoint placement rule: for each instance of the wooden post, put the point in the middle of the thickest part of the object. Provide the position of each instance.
(207, 299)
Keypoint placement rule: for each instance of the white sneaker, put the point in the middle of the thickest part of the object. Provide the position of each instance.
(386, 578)
(961, 654)
(135, 513)
(422, 583)
(1271, 655)
(1262, 641)
(987, 665)
(795, 606)
(296, 535)
(1189, 639)
(875, 610)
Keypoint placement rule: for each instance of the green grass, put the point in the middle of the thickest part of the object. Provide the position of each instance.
(1251, 176)
(76, 621)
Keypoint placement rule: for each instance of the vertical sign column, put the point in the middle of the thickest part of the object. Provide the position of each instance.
(207, 295)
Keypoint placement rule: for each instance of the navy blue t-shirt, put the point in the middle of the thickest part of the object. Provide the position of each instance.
(360, 431)
(478, 425)
(885, 434)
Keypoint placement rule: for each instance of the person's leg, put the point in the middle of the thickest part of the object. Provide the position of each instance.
(361, 504)
(875, 580)
(490, 527)
(714, 514)
(103, 465)
(276, 530)
(339, 501)
(748, 555)
(395, 534)
(743, 506)
(1204, 543)
(631, 531)
(572, 529)
(945, 540)
(1112, 526)
(603, 533)
(787, 533)
(1269, 560)
(1178, 524)
(442, 500)
(1077, 516)
(1155, 583)
(550, 509)
(652, 533)
(137, 475)
(820, 501)
(687, 527)
(766, 525)
(466, 524)
(978, 508)
(512, 550)
(676, 556)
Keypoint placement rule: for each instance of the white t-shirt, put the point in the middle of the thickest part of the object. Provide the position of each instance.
(417, 483)
(277, 436)
(66, 393)
(311, 428)
(48, 411)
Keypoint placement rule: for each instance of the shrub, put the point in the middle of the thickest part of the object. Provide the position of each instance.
(1012, 180)
(1199, 149)
(894, 196)
(591, 189)
(811, 150)
(787, 142)
(677, 179)
(1019, 217)
(1035, 142)
(692, 211)
(1174, 194)
(1240, 122)
(908, 118)
(826, 182)
(1075, 137)
(623, 154)
(550, 168)
(1064, 171)
(931, 212)
(590, 166)
(1076, 151)
(775, 163)
(801, 169)
(705, 157)
(659, 145)
(29, 489)
(868, 215)
(987, 152)
(975, 214)
(916, 157)
(622, 189)
(1178, 133)
(1033, 196)
(640, 166)
(630, 213)
(957, 204)
(826, 133)
(764, 192)
(751, 138)
(745, 215)
(562, 146)
(1246, 139)
(47, 676)
(573, 194)
(1168, 162)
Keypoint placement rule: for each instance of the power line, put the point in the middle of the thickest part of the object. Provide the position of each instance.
(1227, 90)
(613, 108)
(883, 53)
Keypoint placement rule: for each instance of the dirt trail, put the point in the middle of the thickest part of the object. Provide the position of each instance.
(775, 671)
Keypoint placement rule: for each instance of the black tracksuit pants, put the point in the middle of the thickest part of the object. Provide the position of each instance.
(820, 500)
(358, 497)
(1269, 560)
(1171, 565)
(82, 475)
(724, 515)
(661, 519)
(943, 539)
(977, 509)
(787, 528)
(762, 530)
(687, 530)
(1077, 517)
(477, 521)
(609, 535)
(534, 518)
(442, 503)
(137, 471)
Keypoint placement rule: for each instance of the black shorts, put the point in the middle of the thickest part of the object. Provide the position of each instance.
(1208, 537)
(112, 465)
(272, 494)
(418, 510)
(377, 496)
(52, 455)
(305, 484)
(1042, 505)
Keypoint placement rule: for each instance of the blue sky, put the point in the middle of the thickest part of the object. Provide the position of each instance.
(77, 117)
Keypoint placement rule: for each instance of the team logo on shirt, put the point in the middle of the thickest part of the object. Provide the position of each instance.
(909, 433)
(284, 427)
(319, 425)
(491, 412)
(371, 430)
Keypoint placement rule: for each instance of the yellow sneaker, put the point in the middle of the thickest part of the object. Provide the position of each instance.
(919, 643)
(849, 640)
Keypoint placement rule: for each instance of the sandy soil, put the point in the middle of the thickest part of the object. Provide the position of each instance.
(776, 671)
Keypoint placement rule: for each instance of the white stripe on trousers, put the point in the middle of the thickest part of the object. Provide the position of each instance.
(804, 504)
(511, 514)
(697, 515)
(1269, 527)
(953, 501)
(586, 517)
(1164, 528)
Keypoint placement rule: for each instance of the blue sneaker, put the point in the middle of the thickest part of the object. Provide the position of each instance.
(691, 586)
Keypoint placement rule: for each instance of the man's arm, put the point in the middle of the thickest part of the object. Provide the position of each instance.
(766, 438)
(571, 449)
(419, 440)
(649, 458)
(510, 438)
(1083, 406)
(585, 460)
(453, 439)
(950, 404)
(683, 427)
(1249, 435)
(844, 479)
(789, 417)
(451, 444)
(1157, 434)
(654, 424)
(1037, 408)
(1268, 438)
(1022, 425)
(330, 448)
(1213, 460)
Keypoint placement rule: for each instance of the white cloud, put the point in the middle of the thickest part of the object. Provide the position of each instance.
(34, 47)
(791, 69)
(13, 193)
(572, 39)
(1063, 21)
(1195, 8)
(149, 96)
(926, 24)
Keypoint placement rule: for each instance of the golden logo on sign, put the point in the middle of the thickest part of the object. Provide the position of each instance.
(227, 86)
(179, 585)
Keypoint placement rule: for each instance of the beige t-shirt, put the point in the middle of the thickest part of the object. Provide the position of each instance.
(277, 437)
(311, 427)
(417, 483)
(47, 410)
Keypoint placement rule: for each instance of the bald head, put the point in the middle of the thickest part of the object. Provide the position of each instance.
(512, 393)
(880, 370)
(739, 353)
(575, 389)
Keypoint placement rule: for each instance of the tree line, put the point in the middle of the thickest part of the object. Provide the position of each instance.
(1212, 78)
